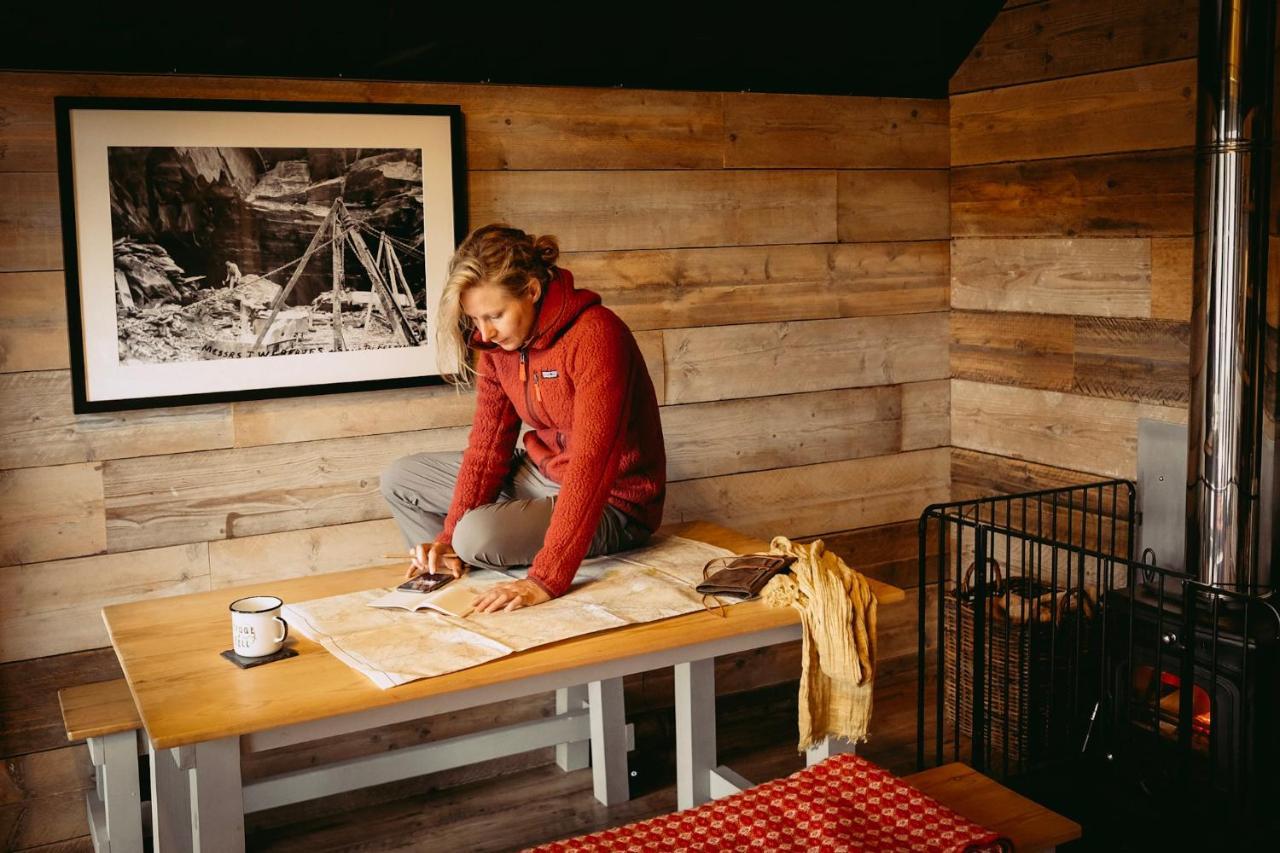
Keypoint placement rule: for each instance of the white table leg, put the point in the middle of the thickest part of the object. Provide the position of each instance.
(826, 748)
(120, 795)
(572, 756)
(170, 804)
(608, 741)
(217, 798)
(695, 731)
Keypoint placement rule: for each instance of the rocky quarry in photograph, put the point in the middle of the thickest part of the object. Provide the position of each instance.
(206, 239)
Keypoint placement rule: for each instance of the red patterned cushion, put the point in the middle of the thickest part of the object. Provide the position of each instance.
(843, 803)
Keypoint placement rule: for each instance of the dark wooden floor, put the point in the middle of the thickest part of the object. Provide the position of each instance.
(534, 804)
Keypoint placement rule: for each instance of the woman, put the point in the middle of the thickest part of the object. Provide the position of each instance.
(591, 478)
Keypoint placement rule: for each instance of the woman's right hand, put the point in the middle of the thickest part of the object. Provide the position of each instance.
(434, 558)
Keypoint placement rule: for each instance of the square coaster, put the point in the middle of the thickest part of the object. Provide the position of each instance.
(249, 663)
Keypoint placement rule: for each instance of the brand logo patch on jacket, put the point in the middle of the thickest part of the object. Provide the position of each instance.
(550, 374)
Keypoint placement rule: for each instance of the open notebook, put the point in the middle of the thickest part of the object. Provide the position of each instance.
(452, 599)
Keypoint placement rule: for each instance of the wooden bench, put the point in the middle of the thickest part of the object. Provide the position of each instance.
(966, 791)
(104, 716)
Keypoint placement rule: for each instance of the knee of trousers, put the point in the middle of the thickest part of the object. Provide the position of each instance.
(400, 477)
(392, 477)
(480, 540)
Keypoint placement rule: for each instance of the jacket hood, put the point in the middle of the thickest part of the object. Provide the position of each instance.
(560, 305)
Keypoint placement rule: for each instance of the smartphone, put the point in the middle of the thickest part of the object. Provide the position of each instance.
(425, 583)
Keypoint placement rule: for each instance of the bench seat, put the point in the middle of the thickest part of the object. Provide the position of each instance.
(965, 791)
(103, 715)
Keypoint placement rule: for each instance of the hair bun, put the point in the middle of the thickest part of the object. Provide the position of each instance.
(547, 248)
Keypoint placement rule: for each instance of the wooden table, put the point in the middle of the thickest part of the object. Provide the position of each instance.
(200, 712)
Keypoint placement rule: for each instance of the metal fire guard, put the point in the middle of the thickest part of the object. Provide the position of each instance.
(1042, 642)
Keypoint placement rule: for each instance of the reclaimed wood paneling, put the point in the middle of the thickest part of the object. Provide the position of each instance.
(1070, 430)
(734, 436)
(1135, 109)
(592, 211)
(1171, 278)
(30, 717)
(760, 284)
(548, 127)
(33, 322)
(32, 824)
(1141, 360)
(736, 673)
(53, 608)
(385, 738)
(1107, 278)
(294, 553)
(30, 224)
(651, 350)
(1044, 426)
(66, 770)
(51, 513)
(729, 362)
(893, 205)
(37, 426)
(1117, 195)
(224, 494)
(1039, 41)
(926, 414)
(770, 131)
(1032, 350)
(1096, 518)
(507, 127)
(293, 419)
(887, 552)
(853, 493)
(878, 279)
(42, 798)
(976, 474)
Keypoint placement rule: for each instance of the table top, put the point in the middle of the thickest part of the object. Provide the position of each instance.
(169, 649)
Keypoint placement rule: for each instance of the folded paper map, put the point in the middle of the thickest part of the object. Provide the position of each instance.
(392, 646)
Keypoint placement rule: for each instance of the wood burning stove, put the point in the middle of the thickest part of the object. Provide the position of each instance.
(1194, 679)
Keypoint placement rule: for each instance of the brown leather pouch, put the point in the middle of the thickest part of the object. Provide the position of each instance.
(743, 576)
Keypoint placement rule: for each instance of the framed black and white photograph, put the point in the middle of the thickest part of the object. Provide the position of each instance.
(230, 250)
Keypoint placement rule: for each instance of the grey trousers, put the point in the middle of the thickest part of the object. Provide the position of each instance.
(500, 535)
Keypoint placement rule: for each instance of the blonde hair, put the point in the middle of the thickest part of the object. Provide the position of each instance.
(493, 254)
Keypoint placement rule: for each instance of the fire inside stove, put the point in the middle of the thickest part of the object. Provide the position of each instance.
(1166, 695)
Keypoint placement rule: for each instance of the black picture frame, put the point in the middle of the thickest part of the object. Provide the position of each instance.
(95, 135)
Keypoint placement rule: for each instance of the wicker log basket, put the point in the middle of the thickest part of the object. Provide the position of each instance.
(1026, 628)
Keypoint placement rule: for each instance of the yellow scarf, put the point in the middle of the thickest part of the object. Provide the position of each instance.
(838, 613)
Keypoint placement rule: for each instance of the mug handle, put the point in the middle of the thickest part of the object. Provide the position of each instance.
(284, 636)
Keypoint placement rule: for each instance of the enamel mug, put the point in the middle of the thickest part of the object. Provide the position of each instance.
(257, 628)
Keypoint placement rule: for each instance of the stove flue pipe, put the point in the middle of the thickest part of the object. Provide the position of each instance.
(1224, 453)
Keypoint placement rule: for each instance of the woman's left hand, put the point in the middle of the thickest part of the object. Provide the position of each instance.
(510, 596)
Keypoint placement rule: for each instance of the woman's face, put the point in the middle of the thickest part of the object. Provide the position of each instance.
(499, 317)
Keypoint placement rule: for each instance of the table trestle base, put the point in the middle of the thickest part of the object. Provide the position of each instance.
(114, 806)
(298, 786)
(699, 778)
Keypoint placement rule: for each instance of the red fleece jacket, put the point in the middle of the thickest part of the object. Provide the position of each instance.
(582, 387)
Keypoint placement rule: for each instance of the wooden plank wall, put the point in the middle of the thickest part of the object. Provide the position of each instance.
(1072, 132)
(784, 261)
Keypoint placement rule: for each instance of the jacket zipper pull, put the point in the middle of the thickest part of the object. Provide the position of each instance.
(537, 387)
(524, 377)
